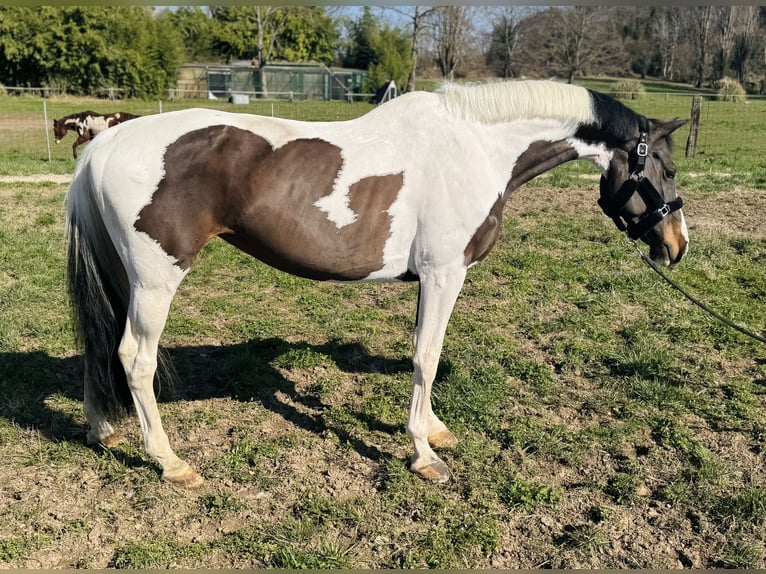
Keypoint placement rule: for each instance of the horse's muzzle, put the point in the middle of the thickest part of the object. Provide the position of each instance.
(671, 241)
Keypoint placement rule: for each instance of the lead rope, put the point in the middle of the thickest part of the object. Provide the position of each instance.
(698, 303)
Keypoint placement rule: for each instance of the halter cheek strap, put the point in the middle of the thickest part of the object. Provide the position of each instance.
(656, 208)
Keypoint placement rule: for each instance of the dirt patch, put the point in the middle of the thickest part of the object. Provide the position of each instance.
(737, 210)
(37, 178)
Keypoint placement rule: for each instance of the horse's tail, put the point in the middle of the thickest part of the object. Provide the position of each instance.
(99, 294)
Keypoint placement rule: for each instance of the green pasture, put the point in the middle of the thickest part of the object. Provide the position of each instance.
(731, 142)
(24, 148)
(604, 422)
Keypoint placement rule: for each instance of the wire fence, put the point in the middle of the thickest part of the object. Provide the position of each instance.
(725, 127)
(24, 132)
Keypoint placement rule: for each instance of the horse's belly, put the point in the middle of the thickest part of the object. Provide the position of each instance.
(323, 259)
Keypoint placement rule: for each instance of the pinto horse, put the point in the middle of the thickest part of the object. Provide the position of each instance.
(412, 191)
(86, 125)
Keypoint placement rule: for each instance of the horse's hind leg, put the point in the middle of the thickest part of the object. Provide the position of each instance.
(101, 430)
(438, 294)
(147, 314)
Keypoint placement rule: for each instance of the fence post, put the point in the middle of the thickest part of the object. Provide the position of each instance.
(691, 143)
(47, 135)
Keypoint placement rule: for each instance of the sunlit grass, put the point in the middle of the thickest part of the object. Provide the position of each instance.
(586, 394)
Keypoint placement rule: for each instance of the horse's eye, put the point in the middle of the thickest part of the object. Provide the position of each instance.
(670, 173)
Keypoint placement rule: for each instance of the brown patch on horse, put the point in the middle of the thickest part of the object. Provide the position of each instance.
(485, 236)
(229, 182)
(539, 157)
(672, 236)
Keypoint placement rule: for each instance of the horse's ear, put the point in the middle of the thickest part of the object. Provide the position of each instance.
(664, 129)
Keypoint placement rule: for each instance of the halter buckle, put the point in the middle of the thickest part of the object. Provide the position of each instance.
(642, 149)
(663, 211)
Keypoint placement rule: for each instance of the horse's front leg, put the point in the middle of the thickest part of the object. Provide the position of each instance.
(438, 293)
(81, 139)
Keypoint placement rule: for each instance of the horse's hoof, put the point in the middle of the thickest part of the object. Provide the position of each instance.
(436, 472)
(442, 439)
(108, 441)
(189, 478)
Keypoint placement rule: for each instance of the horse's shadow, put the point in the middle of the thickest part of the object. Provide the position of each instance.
(33, 383)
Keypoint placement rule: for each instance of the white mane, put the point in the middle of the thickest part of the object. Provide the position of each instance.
(498, 102)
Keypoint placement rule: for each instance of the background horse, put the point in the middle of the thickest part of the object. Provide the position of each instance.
(86, 125)
(412, 191)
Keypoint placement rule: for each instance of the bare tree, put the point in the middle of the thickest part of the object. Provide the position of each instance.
(574, 28)
(452, 26)
(700, 21)
(722, 36)
(665, 31)
(505, 38)
(745, 42)
(419, 18)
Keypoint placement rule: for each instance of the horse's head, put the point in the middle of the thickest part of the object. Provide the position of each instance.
(59, 129)
(638, 192)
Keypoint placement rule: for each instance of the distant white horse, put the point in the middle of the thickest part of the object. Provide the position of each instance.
(412, 191)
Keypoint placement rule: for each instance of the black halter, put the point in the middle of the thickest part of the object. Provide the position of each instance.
(656, 208)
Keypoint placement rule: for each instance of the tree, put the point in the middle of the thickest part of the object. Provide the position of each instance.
(723, 31)
(164, 55)
(452, 26)
(746, 41)
(265, 33)
(665, 32)
(247, 32)
(504, 40)
(360, 52)
(87, 49)
(24, 35)
(419, 18)
(634, 24)
(700, 21)
(562, 41)
(308, 34)
(196, 30)
(381, 50)
(574, 28)
(392, 58)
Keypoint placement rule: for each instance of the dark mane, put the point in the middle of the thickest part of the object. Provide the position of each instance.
(615, 123)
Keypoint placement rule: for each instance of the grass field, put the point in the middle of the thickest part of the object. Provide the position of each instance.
(604, 422)
(730, 142)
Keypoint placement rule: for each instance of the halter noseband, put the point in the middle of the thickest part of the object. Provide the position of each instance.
(656, 207)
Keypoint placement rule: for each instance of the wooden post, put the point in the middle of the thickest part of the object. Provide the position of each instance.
(691, 143)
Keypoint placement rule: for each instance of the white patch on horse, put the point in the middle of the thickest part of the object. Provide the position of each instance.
(335, 205)
(355, 168)
(597, 153)
(96, 123)
(684, 230)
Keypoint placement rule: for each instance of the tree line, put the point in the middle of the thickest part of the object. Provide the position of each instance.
(699, 45)
(84, 50)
